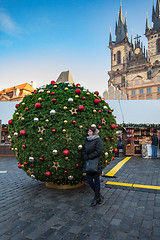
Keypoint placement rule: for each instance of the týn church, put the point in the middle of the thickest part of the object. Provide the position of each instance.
(135, 72)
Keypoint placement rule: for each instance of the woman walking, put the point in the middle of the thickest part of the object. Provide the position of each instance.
(92, 151)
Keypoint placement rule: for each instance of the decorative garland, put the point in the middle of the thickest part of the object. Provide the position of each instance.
(141, 125)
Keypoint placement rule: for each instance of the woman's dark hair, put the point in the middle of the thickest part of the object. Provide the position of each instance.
(93, 129)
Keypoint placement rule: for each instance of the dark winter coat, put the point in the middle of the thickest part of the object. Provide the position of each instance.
(93, 149)
(154, 140)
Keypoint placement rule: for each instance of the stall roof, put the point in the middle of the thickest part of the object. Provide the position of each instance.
(136, 111)
(126, 111)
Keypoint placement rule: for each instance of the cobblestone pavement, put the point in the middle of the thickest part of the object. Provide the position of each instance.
(29, 210)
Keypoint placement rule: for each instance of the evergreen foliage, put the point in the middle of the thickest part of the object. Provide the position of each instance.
(48, 130)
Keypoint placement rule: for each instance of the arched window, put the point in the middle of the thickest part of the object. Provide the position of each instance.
(118, 57)
(129, 55)
(123, 81)
(158, 45)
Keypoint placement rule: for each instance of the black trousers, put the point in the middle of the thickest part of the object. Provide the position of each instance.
(93, 180)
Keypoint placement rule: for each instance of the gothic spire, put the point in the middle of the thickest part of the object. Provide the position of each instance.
(158, 9)
(156, 16)
(110, 37)
(121, 28)
(153, 12)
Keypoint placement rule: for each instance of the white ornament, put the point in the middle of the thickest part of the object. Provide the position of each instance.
(66, 82)
(70, 177)
(105, 107)
(80, 147)
(16, 134)
(36, 119)
(41, 90)
(70, 85)
(106, 154)
(31, 159)
(70, 100)
(32, 176)
(93, 125)
(55, 152)
(52, 112)
(9, 137)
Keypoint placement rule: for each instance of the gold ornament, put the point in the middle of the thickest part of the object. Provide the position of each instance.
(56, 165)
(12, 149)
(88, 93)
(76, 96)
(80, 126)
(47, 120)
(73, 111)
(103, 121)
(94, 111)
(64, 130)
(65, 108)
(55, 86)
(23, 103)
(66, 89)
(41, 129)
(65, 121)
(66, 158)
(40, 139)
(48, 91)
(16, 149)
(23, 119)
(39, 98)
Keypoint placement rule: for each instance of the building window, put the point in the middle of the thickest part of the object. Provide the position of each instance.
(158, 89)
(114, 57)
(123, 81)
(118, 57)
(129, 55)
(140, 91)
(133, 92)
(158, 45)
(149, 74)
(148, 90)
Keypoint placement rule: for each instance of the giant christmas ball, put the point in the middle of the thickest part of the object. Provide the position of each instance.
(58, 156)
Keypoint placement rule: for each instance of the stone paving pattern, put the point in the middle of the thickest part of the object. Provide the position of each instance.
(29, 210)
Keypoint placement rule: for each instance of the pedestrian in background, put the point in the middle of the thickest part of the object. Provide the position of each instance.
(154, 145)
(92, 151)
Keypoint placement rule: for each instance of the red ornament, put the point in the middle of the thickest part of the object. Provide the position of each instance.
(48, 174)
(77, 165)
(99, 127)
(25, 95)
(11, 140)
(26, 108)
(38, 105)
(53, 93)
(80, 108)
(66, 153)
(115, 150)
(83, 98)
(53, 82)
(117, 139)
(96, 101)
(35, 91)
(17, 105)
(99, 111)
(22, 132)
(96, 92)
(78, 85)
(112, 158)
(54, 100)
(109, 111)
(74, 121)
(65, 171)
(10, 122)
(116, 126)
(78, 91)
(113, 126)
(58, 182)
(17, 162)
(24, 146)
(25, 163)
(112, 139)
(41, 159)
(13, 132)
(19, 165)
(108, 163)
(53, 130)
(106, 139)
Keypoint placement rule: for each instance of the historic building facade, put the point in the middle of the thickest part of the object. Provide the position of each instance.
(134, 70)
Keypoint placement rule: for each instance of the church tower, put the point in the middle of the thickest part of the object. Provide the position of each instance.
(153, 35)
(121, 50)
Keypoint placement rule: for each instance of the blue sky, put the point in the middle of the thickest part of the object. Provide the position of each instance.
(41, 38)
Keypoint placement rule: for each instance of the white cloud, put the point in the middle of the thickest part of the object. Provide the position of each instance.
(7, 24)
